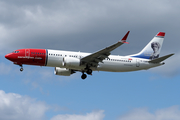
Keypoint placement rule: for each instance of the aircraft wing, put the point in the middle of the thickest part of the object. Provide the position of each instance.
(94, 58)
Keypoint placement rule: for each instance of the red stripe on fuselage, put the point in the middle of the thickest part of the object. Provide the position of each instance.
(29, 57)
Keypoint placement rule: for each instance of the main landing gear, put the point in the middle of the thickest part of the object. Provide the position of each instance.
(88, 71)
(83, 76)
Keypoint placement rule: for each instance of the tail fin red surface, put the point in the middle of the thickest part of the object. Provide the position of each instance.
(161, 34)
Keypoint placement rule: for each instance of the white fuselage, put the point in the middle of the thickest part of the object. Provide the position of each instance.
(112, 64)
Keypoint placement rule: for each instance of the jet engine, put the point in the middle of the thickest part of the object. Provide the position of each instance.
(63, 71)
(70, 62)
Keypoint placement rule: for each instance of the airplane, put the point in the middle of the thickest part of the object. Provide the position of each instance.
(67, 63)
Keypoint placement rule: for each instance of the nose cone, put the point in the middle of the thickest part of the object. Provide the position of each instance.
(8, 56)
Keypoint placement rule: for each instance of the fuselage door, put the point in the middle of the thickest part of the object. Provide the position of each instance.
(27, 53)
(137, 62)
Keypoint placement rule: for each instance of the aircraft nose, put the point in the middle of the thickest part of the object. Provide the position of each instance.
(8, 56)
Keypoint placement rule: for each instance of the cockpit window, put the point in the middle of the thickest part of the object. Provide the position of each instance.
(15, 51)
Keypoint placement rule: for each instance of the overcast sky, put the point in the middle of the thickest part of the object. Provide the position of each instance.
(87, 26)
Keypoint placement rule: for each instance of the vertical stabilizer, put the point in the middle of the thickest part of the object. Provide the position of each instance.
(153, 48)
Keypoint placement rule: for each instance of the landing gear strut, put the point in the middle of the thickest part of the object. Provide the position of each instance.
(21, 69)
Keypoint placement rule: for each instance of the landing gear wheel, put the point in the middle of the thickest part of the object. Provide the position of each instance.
(83, 76)
(89, 72)
(21, 69)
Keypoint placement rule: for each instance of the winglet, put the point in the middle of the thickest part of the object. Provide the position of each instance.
(123, 40)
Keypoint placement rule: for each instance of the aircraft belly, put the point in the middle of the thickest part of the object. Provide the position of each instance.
(124, 67)
(116, 67)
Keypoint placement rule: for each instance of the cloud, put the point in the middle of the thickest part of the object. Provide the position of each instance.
(17, 107)
(171, 113)
(55, 24)
(88, 25)
(95, 115)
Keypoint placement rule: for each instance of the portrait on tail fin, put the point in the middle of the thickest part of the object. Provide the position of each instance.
(155, 46)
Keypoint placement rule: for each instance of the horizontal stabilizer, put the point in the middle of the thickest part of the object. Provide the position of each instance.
(158, 60)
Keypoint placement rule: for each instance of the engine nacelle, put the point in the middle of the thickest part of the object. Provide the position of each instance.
(70, 62)
(63, 71)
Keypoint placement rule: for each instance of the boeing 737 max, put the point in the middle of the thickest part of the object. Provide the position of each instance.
(67, 63)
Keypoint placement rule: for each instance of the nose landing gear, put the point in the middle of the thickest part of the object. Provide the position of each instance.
(21, 69)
